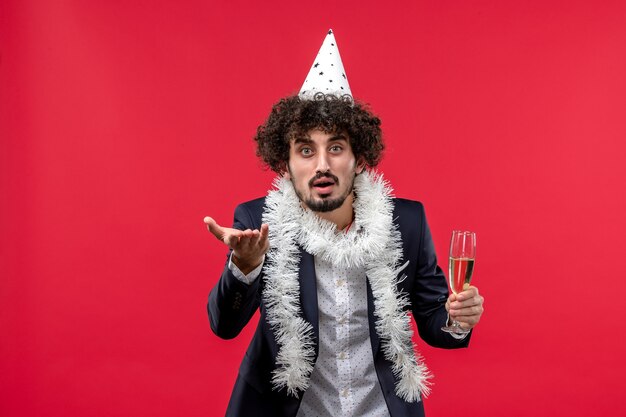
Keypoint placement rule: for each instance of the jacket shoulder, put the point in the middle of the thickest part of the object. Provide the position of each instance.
(254, 205)
(403, 205)
(409, 215)
(248, 215)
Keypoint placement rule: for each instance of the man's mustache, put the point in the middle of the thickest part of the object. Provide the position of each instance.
(320, 175)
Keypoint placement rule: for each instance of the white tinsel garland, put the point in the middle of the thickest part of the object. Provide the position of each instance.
(376, 247)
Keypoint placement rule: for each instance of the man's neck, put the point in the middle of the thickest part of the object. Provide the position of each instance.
(343, 216)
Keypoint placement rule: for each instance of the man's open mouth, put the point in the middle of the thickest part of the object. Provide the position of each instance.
(323, 185)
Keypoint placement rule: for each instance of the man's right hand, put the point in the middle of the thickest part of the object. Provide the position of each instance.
(249, 246)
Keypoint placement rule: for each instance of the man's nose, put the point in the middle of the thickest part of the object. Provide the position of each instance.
(322, 162)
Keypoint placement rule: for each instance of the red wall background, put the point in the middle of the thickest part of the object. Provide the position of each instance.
(124, 123)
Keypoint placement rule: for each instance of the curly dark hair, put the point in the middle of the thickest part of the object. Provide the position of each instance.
(293, 117)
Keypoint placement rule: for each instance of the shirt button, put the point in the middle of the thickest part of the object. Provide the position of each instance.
(345, 392)
(342, 355)
(340, 282)
(342, 319)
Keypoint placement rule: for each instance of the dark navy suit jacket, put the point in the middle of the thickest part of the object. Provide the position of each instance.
(232, 303)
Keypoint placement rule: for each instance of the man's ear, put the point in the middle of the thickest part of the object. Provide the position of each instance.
(284, 171)
(360, 165)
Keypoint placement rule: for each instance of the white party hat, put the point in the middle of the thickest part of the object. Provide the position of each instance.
(326, 75)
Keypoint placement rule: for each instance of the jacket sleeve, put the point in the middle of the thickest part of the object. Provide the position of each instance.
(231, 302)
(430, 293)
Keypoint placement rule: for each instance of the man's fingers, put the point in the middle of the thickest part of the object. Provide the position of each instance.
(254, 237)
(466, 298)
(477, 300)
(232, 237)
(467, 312)
(468, 322)
(468, 315)
(215, 229)
(254, 240)
(231, 240)
(470, 292)
(265, 230)
(466, 325)
(241, 240)
(263, 238)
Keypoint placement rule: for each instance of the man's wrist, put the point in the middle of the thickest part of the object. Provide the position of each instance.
(246, 266)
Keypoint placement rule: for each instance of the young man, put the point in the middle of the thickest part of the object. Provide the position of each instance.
(334, 264)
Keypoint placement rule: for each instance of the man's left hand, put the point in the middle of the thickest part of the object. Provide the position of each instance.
(466, 307)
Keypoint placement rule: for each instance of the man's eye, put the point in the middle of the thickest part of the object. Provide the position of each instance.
(306, 151)
(335, 148)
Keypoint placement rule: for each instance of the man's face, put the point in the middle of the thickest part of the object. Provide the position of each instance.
(322, 168)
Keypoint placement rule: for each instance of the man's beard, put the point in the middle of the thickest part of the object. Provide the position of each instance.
(325, 204)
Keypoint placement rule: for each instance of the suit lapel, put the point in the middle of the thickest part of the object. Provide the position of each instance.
(374, 339)
(308, 294)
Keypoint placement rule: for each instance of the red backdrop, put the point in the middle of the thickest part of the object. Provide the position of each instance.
(124, 123)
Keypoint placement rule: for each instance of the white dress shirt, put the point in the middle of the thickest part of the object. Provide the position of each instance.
(344, 381)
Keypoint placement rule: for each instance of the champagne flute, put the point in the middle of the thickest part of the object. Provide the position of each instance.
(460, 268)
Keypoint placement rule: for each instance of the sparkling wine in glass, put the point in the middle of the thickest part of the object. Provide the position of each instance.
(460, 268)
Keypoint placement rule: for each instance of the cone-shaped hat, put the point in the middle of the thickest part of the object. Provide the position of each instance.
(327, 74)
